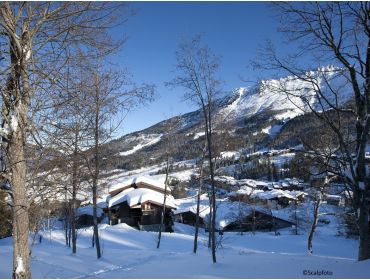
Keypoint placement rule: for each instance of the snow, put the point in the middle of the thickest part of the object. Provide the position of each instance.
(230, 155)
(88, 210)
(129, 253)
(273, 130)
(8, 129)
(203, 210)
(20, 266)
(198, 135)
(273, 194)
(268, 96)
(135, 197)
(13, 123)
(146, 141)
(333, 196)
(246, 256)
(137, 180)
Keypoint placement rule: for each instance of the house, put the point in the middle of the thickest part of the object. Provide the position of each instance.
(139, 202)
(336, 200)
(188, 215)
(275, 198)
(84, 216)
(258, 220)
(239, 216)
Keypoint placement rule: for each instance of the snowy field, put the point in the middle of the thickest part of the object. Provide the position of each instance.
(128, 253)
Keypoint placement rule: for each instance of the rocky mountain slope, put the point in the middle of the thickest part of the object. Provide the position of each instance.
(250, 118)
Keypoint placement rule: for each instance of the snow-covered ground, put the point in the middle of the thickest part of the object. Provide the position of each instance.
(129, 253)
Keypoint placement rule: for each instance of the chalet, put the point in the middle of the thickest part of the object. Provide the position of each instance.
(291, 184)
(84, 216)
(259, 221)
(275, 198)
(188, 215)
(336, 200)
(234, 216)
(139, 203)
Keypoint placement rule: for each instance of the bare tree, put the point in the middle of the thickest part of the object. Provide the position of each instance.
(200, 188)
(197, 69)
(171, 147)
(109, 97)
(336, 33)
(318, 196)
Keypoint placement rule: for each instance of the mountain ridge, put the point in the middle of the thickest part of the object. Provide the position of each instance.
(244, 116)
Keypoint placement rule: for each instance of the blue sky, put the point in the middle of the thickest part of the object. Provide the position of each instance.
(233, 30)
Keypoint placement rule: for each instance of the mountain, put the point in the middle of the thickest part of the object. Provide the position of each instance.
(246, 118)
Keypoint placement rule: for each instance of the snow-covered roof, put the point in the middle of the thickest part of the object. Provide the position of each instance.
(245, 190)
(273, 194)
(88, 210)
(114, 200)
(203, 210)
(101, 202)
(333, 197)
(297, 194)
(137, 181)
(138, 196)
(228, 212)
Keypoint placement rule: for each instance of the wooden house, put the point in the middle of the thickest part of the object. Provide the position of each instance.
(258, 221)
(275, 198)
(336, 200)
(84, 216)
(139, 203)
(188, 215)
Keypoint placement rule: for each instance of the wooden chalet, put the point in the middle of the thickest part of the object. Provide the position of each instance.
(275, 198)
(139, 203)
(84, 216)
(188, 215)
(258, 221)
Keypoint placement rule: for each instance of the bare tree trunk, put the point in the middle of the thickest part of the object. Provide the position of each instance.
(69, 236)
(15, 109)
(21, 253)
(273, 222)
(198, 203)
(210, 222)
(74, 191)
(66, 229)
(164, 203)
(213, 205)
(364, 244)
(66, 215)
(96, 171)
(295, 218)
(240, 214)
(315, 221)
(254, 221)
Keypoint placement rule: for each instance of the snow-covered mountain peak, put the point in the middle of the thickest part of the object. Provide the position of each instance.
(296, 98)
